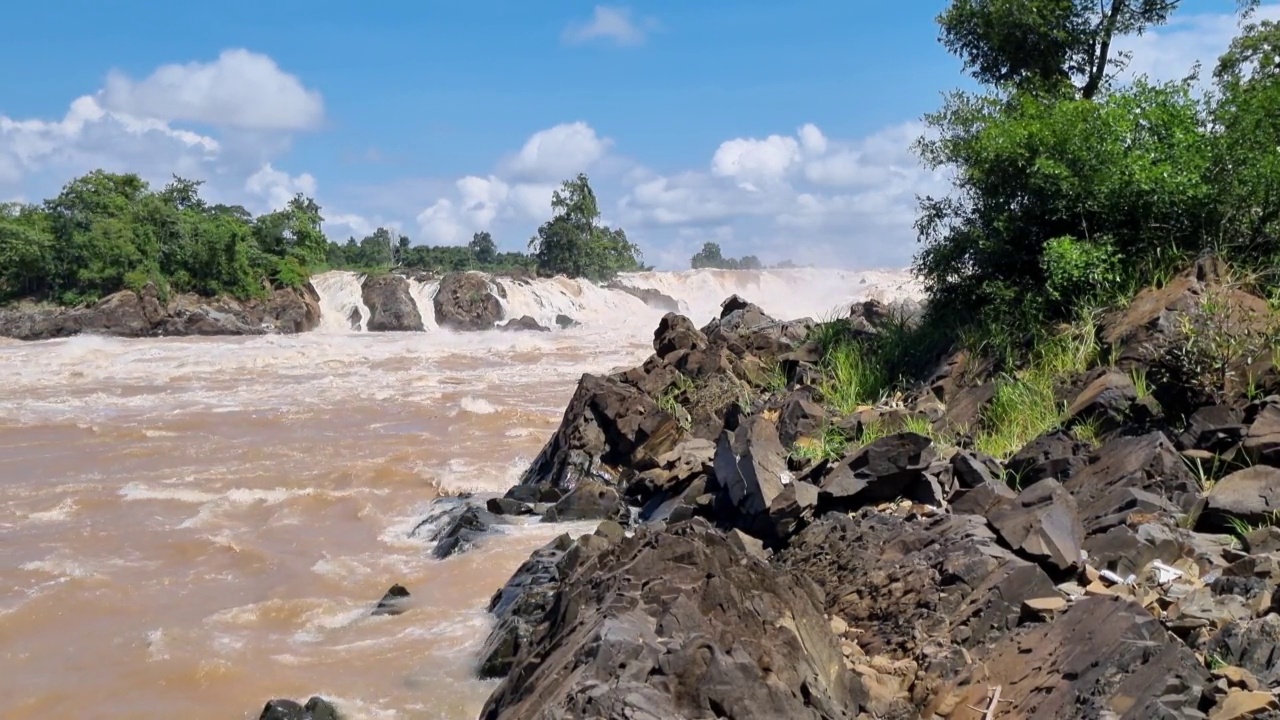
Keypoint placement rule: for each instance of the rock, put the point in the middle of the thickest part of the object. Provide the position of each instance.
(1042, 524)
(508, 506)
(465, 301)
(649, 296)
(674, 471)
(890, 468)
(1262, 441)
(467, 526)
(588, 500)
(1105, 401)
(354, 320)
(391, 306)
(523, 323)
(800, 417)
(973, 470)
(677, 333)
(1253, 645)
(1103, 489)
(393, 602)
(1045, 605)
(1104, 657)
(607, 425)
(1251, 495)
(317, 708)
(1215, 428)
(909, 585)
(564, 322)
(965, 406)
(757, 490)
(141, 314)
(1243, 704)
(1056, 454)
(680, 623)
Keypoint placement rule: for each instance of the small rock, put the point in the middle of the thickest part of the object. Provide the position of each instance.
(1044, 605)
(317, 708)
(393, 602)
(508, 506)
(838, 625)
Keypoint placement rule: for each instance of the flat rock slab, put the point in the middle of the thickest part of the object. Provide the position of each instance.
(1252, 494)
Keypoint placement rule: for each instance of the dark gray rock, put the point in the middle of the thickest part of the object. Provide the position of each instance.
(1251, 644)
(465, 301)
(391, 306)
(524, 323)
(653, 298)
(508, 506)
(564, 322)
(589, 500)
(1105, 401)
(890, 468)
(1041, 523)
(800, 417)
(1103, 488)
(1056, 454)
(317, 708)
(393, 602)
(1215, 428)
(1251, 495)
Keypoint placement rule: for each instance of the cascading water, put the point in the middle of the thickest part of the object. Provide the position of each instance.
(789, 294)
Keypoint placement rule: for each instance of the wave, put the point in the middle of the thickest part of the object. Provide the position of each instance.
(783, 293)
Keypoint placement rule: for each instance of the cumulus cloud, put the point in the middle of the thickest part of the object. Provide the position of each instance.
(241, 89)
(559, 152)
(277, 187)
(612, 24)
(1171, 52)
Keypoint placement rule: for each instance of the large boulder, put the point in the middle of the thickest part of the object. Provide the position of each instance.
(892, 467)
(1251, 495)
(608, 425)
(680, 623)
(465, 301)
(757, 492)
(391, 305)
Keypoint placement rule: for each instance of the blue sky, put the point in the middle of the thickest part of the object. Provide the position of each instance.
(781, 130)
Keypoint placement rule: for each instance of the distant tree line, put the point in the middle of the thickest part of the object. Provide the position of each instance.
(105, 232)
(710, 257)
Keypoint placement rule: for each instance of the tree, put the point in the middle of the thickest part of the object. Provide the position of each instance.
(573, 242)
(708, 257)
(483, 248)
(1046, 46)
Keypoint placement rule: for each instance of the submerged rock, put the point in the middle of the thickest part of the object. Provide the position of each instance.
(317, 708)
(524, 323)
(393, 602)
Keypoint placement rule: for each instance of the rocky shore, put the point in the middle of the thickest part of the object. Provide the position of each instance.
(1122, 564)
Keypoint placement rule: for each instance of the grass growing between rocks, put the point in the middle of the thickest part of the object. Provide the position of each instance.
(1025, 404)
(830, 445)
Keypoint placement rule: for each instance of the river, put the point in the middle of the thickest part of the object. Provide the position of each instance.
(192, 526)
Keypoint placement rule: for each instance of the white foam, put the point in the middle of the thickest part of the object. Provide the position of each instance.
(477, 406)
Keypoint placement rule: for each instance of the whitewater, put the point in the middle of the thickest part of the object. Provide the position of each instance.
(195, 525)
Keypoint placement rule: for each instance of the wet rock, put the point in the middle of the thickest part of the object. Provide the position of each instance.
(1105, 401)
(607, 425)
(1041, 523)
(680, 623)
(391, 306)
(1103, 657)
(890, 468)
(564, 322)
(508, 506)
(317, 708)
(589, 500)
(1056, 454)
(1251, 495)
(467, 527)
(393, 602)
(465, 301)
(524, 323)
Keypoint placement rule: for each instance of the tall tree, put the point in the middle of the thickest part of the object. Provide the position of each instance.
(573, 242)
(483, 248)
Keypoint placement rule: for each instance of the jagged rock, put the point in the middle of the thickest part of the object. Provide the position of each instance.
(1105, 657)
(1103, 489)
(521, 603)
(465, 301)
(890, 468)
(973, 470)
(1127, 550)
(756, 488)
(564, 322)
(317, 708)
(141, 314)
(353, 319)
(1251, 494)
(1041, 523)
(677, 333)
(965, 406)
(981, 499)
(467, 526)
(674, 470)
(588, 500)
(393, 602)
(679, 623)
(1250, 644)
(391, 306)
(916, 585)
(508, 506)
(1055, 454)
(1262, 442)
(607, 425)
(1215, 428)
(1106, 401)
(1202, 608)
(800, 417)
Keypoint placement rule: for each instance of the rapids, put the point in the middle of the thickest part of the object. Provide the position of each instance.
(195, 525)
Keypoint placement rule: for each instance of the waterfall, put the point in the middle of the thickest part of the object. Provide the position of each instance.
(423, 294)
(340, 295)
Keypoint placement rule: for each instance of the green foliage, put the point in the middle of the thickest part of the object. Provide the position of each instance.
(853, 375)
(106, 232)
(830, 445)
(483, 248)
(573, 242)
(710, 257)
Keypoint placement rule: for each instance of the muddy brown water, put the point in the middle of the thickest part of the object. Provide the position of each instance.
(189, 527)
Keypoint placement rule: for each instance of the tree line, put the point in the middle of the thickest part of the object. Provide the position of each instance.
(1073, 186)
(710, 256)
(106, 232)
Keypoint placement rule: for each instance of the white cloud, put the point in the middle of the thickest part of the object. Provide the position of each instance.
(241, 89)
(277, 187)
(614, 24)
(559, 152)
(1170, 52)
(751, 161)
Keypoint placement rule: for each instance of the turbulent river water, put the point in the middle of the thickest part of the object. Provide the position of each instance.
(194, 525)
